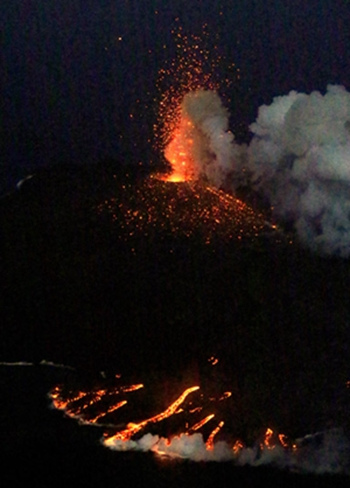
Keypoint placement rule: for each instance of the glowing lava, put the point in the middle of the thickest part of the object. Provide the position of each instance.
(191, 421)
(196, 67)
(178, 153)
(132, 428)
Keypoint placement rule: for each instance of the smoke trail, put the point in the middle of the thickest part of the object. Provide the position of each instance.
(299, 158)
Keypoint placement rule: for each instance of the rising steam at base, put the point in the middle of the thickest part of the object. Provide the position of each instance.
(299, 158)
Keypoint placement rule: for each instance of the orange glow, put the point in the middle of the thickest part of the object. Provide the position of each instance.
(100, 406)
(213, 360)
(238, 446)
(127, 389)
(283, 440)
(75, 407)
(268, 439)
(194, 67)
(210, 442)
(111, 409)
(271, 440)
(200, 424)
(225, 395)
(178, 153)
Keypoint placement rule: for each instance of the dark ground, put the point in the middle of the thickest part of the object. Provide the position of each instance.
(73, 293)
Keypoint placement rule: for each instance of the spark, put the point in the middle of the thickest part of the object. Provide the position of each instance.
(213, 360)
(153, 207)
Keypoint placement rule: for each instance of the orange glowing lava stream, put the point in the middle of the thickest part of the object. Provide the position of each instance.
(128, 389)
(270, 440)
(204, 421)
(74, 410)
(210, 442)
(132, 428)
(113, 408)
(61, 404)
(238, 446)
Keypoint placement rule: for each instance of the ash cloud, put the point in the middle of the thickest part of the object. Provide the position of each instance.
(298, 158)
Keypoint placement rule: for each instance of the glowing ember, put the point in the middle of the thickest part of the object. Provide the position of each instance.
(213, 360)
(154, 209)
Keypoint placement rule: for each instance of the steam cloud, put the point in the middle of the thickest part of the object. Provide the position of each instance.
(324, 452)
(299, 158)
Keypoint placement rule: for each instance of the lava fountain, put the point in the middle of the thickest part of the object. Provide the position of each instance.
(202, 145)
(179, 153)
(192, 130)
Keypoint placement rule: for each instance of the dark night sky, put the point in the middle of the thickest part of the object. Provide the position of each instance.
(73, 71)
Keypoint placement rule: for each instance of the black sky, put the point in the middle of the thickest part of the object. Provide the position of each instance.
(73, 72)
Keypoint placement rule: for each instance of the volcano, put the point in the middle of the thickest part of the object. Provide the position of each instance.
(158, 209)
(87, 243)
(173, 285)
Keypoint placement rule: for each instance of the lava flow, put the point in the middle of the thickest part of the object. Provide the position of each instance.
(189, 427)
(133, 429)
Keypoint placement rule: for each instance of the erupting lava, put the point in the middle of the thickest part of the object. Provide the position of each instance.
(178, 153)
(195, 67)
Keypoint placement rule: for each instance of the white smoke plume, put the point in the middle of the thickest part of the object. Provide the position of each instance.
(213, 150)
(299, 158)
